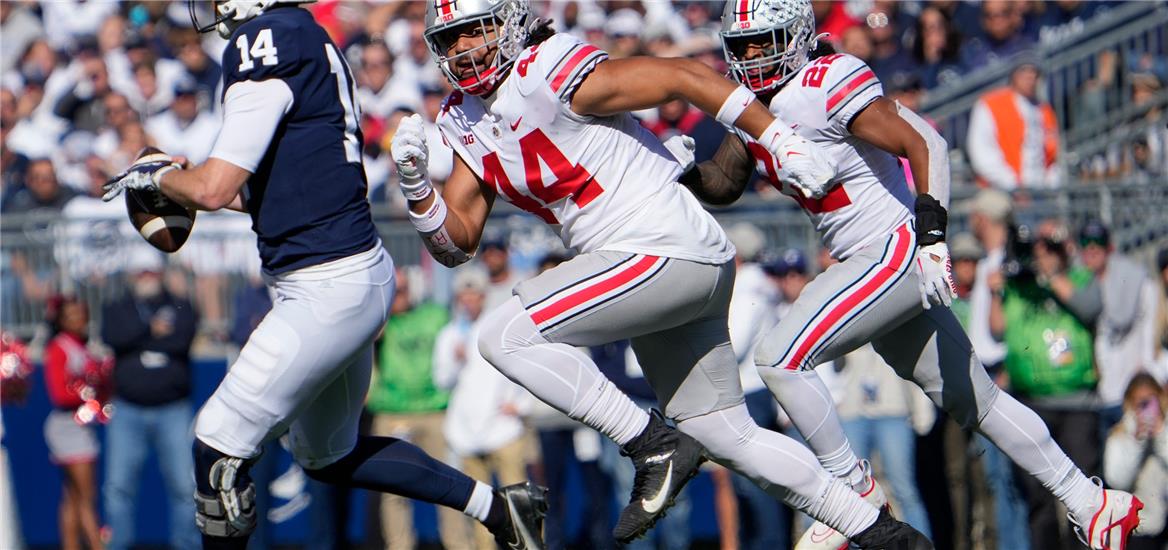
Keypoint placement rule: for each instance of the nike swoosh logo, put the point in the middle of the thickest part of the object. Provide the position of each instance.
(656, 503)
(793, 153)
(516, 124)
(818, 537)
(523, 535)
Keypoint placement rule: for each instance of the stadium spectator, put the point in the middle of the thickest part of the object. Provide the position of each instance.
(624, 27)
(81, 105)
(66, 20)
(753, 311)
(1125, 342)
(184, 129)
(1043, 308)
(1162, 310)
(484, 422)
(832, 18)
(18, 28)
(857, 42)
(503, 278)
(407, 403)
(1064, 19)
(889, 55)
(77, 380)
(1136, 458)
(1149, 152)
(198, 65)
(880, 412)
(150, 331)
(41, 191)
(14, 163)
(1013, 137)
(380, 92)
(1001, 37)
(680, 118)
(936, 48)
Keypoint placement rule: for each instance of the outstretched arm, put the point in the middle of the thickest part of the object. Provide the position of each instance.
(722, 179)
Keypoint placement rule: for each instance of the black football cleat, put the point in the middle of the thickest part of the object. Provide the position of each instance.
(666, 460)
(889, 534)
(526, 507)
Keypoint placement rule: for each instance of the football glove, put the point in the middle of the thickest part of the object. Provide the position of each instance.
(145, 174)
(802, 164)
(682, 147)
(936, 276)
(410, 154)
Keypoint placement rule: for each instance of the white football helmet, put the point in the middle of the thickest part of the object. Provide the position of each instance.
(788, 26)
(230, 14)
(512, 23)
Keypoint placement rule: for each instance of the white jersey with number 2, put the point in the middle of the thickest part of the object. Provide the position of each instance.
(603, 183)
(872, 197)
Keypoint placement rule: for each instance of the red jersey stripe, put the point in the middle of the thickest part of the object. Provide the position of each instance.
(571, 65)
(843, 92)
(596, 289)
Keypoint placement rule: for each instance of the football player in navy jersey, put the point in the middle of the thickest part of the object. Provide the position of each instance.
(289, 154)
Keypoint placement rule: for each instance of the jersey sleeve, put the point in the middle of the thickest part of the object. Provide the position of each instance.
(849, 85)
(263, 49)
(563, 62)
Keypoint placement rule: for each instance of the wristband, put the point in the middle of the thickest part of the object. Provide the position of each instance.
(416, 190)
(157, 177)
(432, 219)
(735, 104)
(932, 220)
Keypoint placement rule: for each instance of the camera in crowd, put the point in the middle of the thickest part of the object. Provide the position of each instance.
(1019, 264)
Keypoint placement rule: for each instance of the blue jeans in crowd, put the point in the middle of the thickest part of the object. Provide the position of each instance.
(764, 522)
(132, 432)
(892, 437)
(1010, 508)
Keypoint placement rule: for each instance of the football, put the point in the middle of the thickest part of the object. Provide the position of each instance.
(165, 224)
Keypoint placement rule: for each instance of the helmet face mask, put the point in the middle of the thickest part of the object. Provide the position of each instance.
(777, 35)
(230, 14)
(502, 26)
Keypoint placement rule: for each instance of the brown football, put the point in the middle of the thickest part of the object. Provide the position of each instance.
(165, 224)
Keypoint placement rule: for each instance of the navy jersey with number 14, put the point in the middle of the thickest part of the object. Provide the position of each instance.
(307, 196)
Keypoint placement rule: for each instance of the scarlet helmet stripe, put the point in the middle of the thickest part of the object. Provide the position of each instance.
(743, 11)
(445, 7)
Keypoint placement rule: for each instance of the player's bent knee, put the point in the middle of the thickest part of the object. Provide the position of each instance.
(725, 434)
(225, 498)
(506, 329)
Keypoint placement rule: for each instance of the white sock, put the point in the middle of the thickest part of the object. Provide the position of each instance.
(1021, 434)
(480, 501)
(781, 466)
(807, 401)
(558, 374)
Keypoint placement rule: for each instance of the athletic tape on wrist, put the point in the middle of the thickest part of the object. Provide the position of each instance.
(776, 133)
(432, 219)
(735, 104)
(416, 191)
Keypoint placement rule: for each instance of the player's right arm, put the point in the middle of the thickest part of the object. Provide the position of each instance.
(450, 224)
(722, 179)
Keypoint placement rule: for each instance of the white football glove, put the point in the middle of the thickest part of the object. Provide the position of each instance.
(410, 153)
(682, 147)
(802, 164)
(936, 276)
(145, 174)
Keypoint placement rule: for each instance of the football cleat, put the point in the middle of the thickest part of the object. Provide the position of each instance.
(526, 507)
(1111, 524)
(889, 534)
(666, 460)
(822, 537)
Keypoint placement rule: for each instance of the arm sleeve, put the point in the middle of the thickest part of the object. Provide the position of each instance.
(985, 154)
(251, 113)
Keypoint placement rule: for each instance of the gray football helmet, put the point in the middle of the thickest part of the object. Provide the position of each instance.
(506, 25)
(787, 25)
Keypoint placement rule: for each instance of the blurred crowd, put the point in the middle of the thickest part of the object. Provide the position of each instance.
(1061, 319)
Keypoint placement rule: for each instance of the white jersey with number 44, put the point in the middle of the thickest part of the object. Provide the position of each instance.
(603, 183)
(871, 198)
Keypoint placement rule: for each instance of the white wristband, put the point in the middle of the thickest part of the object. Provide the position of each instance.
(735, 104)
(432, 219)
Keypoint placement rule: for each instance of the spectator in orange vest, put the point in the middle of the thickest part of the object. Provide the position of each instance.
(1013, 135)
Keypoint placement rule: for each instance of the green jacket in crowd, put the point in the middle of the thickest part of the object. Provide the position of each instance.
(1049, 350)
(403, 380)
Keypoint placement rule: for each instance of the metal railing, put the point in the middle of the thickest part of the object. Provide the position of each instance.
(44, 253)
(1068, 63)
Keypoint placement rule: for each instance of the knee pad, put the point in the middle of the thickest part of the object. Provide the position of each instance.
(225, 494)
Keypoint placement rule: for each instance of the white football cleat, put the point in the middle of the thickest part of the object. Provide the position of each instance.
(1111, 524)
(821, 537)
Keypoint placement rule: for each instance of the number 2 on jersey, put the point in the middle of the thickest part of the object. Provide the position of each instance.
(570, 180)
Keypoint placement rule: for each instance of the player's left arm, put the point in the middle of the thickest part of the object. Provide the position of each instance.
(901, 132)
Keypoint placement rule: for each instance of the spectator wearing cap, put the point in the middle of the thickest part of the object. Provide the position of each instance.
(990, 221)
(624, 27)
(204, 70)
(1000, 37)
(1013, 139)
(1125, 341)
(789, 270)
(753, 312)
(935, 48)
(484, 423)
(151, 332)
(407, 402)
(184, 129)
(502, 278)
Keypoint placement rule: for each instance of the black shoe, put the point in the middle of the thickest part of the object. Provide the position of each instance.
(889, 534)
(665, 460)
(526, 506)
